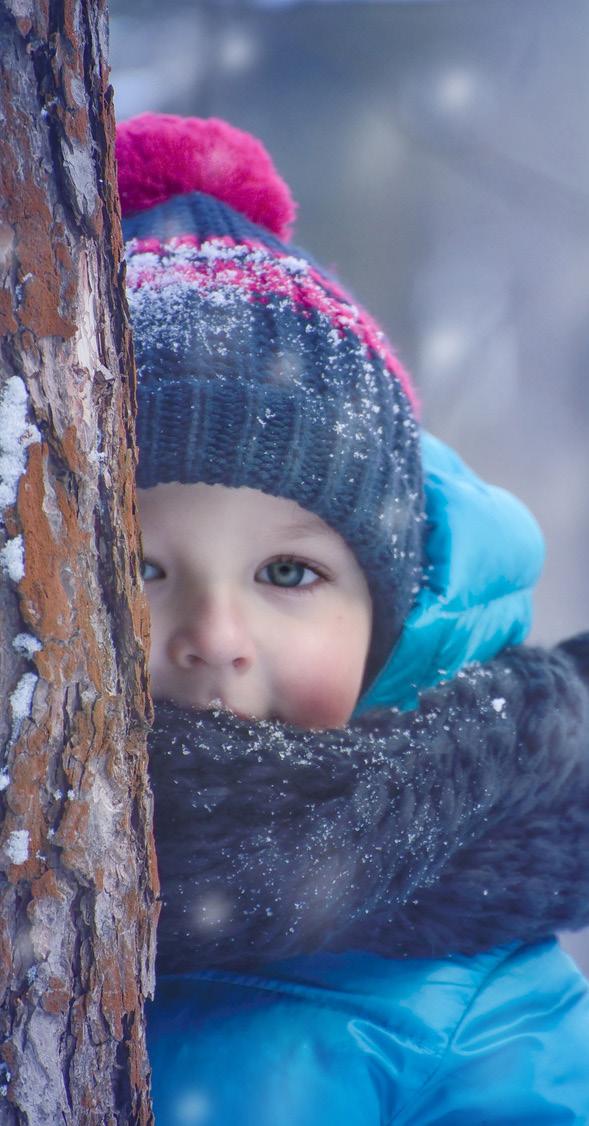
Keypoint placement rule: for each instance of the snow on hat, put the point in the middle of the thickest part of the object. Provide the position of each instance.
(254, 366)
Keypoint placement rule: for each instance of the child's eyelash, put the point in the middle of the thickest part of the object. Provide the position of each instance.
(303, 562)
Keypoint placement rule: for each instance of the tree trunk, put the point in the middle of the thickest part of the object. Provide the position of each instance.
(78, 882)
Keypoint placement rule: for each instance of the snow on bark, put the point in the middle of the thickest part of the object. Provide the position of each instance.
(78, 881)
(16, 433)
(12, 559)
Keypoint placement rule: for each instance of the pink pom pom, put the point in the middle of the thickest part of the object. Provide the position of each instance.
(160, 155)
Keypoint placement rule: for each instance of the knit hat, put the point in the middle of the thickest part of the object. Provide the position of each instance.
(254, 366)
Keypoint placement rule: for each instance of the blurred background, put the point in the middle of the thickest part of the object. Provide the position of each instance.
(439, 153)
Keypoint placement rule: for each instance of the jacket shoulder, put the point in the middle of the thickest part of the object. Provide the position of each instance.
(495, 1038)
(522, 1040)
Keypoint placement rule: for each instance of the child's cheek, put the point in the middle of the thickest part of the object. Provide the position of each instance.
(322, 698)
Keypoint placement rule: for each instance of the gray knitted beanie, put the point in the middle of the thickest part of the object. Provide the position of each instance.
(254, 366)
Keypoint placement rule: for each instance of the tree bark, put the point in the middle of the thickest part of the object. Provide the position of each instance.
(78, 882)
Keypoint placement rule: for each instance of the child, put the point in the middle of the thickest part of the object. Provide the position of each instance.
(291, 571)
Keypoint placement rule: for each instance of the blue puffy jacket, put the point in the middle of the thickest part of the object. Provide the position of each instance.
(502, 1037)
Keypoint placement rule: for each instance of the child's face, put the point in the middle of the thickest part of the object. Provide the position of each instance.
(255, 602)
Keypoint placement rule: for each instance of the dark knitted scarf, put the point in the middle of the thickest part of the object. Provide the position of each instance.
(452, 828)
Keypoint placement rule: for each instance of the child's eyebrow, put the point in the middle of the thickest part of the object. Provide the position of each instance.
(306, 526)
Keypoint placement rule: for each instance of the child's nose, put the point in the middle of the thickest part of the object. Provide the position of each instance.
(212, 632)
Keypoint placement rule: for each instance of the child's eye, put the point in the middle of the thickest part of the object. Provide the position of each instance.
(151, 571)
(288, 573)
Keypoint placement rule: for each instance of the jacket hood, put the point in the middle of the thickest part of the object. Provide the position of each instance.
(483, 555)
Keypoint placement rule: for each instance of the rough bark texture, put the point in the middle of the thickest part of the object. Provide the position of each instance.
(78, 882)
